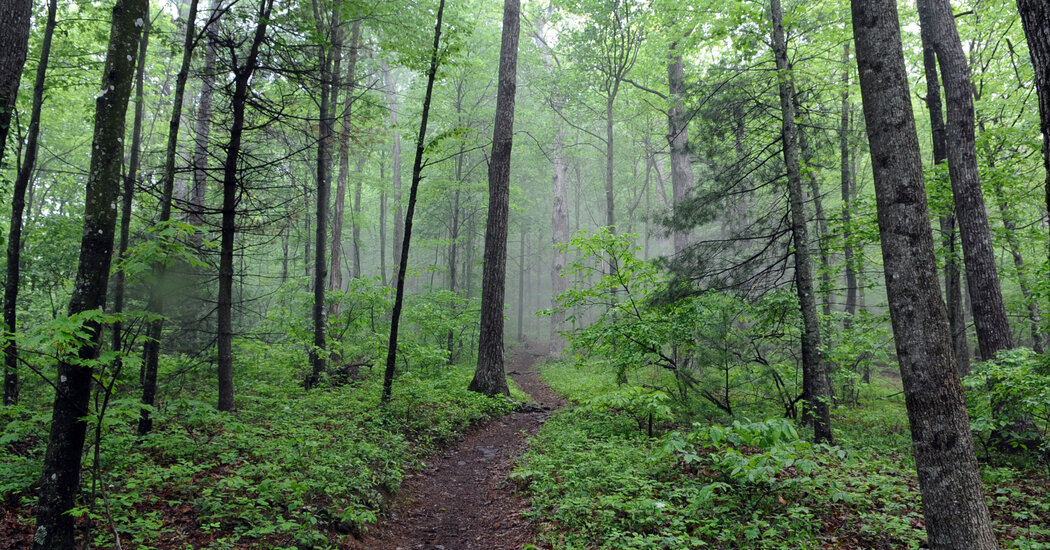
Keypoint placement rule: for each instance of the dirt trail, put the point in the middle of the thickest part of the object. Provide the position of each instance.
(462, 500)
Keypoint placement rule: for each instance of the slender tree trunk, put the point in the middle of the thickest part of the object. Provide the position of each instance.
(678, 140)
(61, 476)
(355, 215)
(1035, 17)
(610, 194)
(521, 286)
(335, 277)
(14, 45)
(949, 479)
(417, 173)
(157, 302)
(489, 377)
(128, 192)
(382, 225)
(821, 224)
(993, 329)
(813, 371)
(395, 160)
(952, 273)
(847, 196)
(326, 130)
(1014, 246)
(203, 128)
(22, 183)
(231, 185)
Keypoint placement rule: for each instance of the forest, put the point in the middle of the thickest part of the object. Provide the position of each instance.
(553, 274)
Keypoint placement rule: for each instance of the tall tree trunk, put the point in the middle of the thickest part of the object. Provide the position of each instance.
(610, 194)
(1014, 246)
(326, 131)
(231, 185)
(678, 140)
(355, 215)
(382, 224)
(949, 479)
(521, 286)
(489, 377)
(22, 183)
(821, 224)
(989, 315)
(128, 192)
(203, 128)
(952, 273)
(813, 372)
(1035, 17)
(61, 476)
(14, 45)
(417, 173)
(395, 160)
(335, 276)
(157, 301)
(847, 195)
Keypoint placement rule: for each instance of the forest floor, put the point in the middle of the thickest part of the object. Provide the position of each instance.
(462, 499)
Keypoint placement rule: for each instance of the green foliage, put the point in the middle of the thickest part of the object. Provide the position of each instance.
(1020, 379)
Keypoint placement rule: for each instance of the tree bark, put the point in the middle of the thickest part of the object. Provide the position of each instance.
(325, 133)
(231, 186)
(949, 480)
(678, 140)
(157, 301)
(847, 195)
(18, 199)
(395, 161)
(14, 45)
(1035, 18)
(982, 279)
(813, 372)
(417, 173)
(952, 273)
(61, 476)
(335, 277)
(489, 377)
(355, 216)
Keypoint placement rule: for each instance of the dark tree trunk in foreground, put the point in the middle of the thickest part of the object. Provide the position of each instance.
(14, 44)
(325, 132)
(230, 187)
(982, 279)
(814, 378)
(489, 377)
(1035, 17)
(61, 476)
(847, 194)
(678, 142)
(18, 203)
(952, 273)
(417, 174)
(949, 479)
(157, 305)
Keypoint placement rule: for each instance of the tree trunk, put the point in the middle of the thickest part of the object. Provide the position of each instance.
(847, 195)
(952, 273)
(18, 201)
(989, 315)
(231, 185)
(355, 216)
(128, 192)
(382, 225)
(1014, 246)
(395, 161)
(821, 224)
(489, 377)
(952, 496)
(678, 140)
(521, 286)
(14, 45)
(417, 173)
(1035, 17)
(326, 131)
(610, 195)
(813, 373)
(61, 476)
(335, 276)
(203, 127)
(157, 301)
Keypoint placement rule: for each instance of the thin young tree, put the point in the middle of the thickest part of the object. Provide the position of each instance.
(814, 378)
(489, 376)
(61, 476)
(390, 89)
(18, 203)
(417, 174)
(846, 184)
(14, 45)
(335, 275)
(231, 186)
(949, 479)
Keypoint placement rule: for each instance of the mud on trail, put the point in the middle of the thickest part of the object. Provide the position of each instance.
(462, 499)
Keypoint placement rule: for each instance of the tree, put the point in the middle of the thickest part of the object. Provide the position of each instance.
(230, 188)
(335, 276)
(949, 479)
(395, 160)
(61, 476)
(18, 202)
(14, 43)
(489, 377)
(814, 383)
(678, 140)
(1035, 17)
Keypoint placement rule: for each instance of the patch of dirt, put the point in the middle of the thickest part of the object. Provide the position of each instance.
(463, 500)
